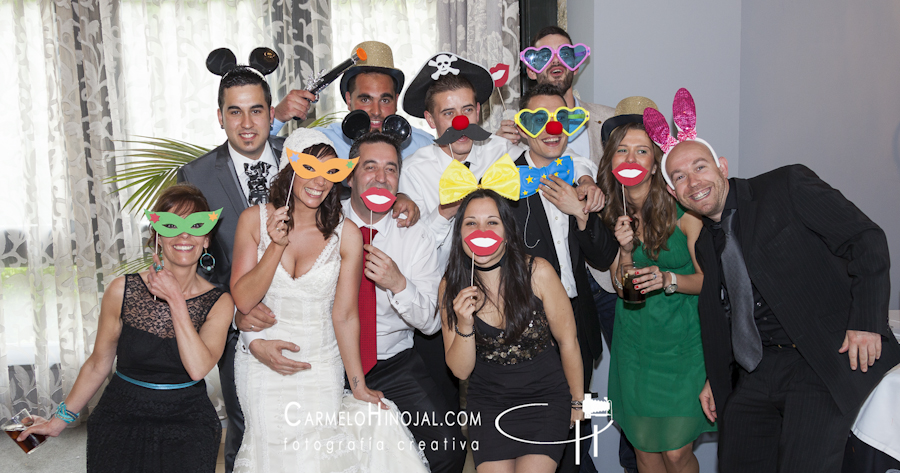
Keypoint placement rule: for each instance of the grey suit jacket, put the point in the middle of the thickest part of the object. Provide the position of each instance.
(599, 114)
(215, 176)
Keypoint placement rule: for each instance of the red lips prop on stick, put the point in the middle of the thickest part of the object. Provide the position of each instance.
(500, 74)
(482, 243)
(629, 174)
(377, 199)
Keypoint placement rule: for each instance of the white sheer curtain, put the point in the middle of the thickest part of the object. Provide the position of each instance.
(79, 78)
(409, 27)
(487, 32)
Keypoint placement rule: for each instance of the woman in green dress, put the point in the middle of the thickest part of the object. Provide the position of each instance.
(656, 368)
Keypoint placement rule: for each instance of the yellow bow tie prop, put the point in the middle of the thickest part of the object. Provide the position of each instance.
(457, 181)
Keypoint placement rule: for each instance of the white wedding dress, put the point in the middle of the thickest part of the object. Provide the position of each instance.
(306, 422)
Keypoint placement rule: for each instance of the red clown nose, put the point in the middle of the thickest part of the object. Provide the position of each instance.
(460, 122)
(554, 128)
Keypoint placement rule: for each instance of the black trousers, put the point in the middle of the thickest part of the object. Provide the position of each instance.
(781, 418)
(235, 433)
(431, 349)
(405, 380)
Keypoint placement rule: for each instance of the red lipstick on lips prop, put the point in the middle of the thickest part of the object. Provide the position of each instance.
(378, 199)
(630, 174)
(483, 243)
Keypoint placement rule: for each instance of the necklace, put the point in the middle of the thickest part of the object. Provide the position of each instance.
(493, 266)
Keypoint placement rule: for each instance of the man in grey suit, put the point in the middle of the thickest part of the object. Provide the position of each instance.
(233, 176)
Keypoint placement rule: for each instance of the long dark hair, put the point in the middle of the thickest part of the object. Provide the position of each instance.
(328, 215)
(515, 274)
(658, 215)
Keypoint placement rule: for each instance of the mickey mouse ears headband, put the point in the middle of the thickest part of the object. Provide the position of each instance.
(358, 123)
(684, 113)
(222, 61)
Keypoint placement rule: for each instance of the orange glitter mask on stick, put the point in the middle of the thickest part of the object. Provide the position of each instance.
(308, 167)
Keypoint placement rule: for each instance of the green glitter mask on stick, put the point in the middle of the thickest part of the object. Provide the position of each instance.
(170, 225)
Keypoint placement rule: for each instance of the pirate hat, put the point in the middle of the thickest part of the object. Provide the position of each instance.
(379, 58)
(438, 66)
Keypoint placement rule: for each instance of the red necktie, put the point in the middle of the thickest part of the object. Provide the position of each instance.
(368, 345)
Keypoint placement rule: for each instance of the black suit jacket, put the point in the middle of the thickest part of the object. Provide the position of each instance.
(596, 243)
(215, 176)
(822, 267)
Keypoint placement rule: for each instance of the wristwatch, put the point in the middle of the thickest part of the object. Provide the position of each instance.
(671, 288)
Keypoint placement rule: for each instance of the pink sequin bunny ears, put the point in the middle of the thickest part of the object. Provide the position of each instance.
(684, 114)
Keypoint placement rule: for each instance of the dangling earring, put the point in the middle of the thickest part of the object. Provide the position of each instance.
(158, 267)
(207, 267)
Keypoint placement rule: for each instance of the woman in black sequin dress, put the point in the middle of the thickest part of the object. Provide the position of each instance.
(512, 335)
(166, 329)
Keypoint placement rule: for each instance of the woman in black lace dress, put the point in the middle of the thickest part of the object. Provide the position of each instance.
(166, 327)
(512, 334)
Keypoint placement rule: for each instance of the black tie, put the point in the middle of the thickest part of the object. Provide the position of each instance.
(257, 182)
(745, 340)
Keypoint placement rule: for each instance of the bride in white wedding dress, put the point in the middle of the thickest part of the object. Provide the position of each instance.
(304, 262)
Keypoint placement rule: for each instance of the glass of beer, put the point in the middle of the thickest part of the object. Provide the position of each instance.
(16, 425)
(626, 274)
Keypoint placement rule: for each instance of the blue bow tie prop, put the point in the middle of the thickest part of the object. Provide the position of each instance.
(530, 177)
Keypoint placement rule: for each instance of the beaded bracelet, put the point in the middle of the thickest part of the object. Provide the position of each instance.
(456, 328)
(65, 414)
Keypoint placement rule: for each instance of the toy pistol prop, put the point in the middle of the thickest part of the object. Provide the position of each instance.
(323, 79)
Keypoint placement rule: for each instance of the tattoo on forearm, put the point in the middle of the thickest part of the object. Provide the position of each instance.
(355, 381)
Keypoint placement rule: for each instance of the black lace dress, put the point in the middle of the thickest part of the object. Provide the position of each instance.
(138, 429)
(508, 375)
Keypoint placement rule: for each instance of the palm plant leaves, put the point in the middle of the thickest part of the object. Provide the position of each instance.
(154, 169)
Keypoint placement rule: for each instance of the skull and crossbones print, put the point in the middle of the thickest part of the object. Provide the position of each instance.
(442, 63)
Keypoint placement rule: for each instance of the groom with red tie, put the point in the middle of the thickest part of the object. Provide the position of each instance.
(398, 294)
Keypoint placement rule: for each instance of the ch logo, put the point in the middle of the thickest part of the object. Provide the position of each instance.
(591, 407)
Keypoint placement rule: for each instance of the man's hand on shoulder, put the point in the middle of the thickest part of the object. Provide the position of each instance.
(862, 348)
(404, 205)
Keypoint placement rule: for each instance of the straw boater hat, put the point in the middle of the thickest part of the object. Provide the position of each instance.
(438, 66)
(379, 58)
(629, 110)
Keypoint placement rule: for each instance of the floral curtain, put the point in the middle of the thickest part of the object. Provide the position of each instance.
(409, 27)
(83, 77)
(487, 32)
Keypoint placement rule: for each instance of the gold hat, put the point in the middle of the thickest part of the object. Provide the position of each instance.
(379, 58)
(629, 110)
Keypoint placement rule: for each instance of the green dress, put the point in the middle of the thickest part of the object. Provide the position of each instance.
(656, 369)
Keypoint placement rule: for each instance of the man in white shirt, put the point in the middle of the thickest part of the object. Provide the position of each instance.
(403, 265)
(556, 227)
(439, 96)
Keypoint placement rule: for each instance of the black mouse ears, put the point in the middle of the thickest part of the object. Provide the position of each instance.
(222, 60)
(357, 123)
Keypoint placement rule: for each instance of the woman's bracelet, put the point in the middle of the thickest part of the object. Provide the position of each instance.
(577, 405)
(464, 335)
(65, 414)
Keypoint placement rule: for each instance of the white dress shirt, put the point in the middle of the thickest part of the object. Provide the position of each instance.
(559, 229)
(397, 315)
(581, 144)
(422, 173)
